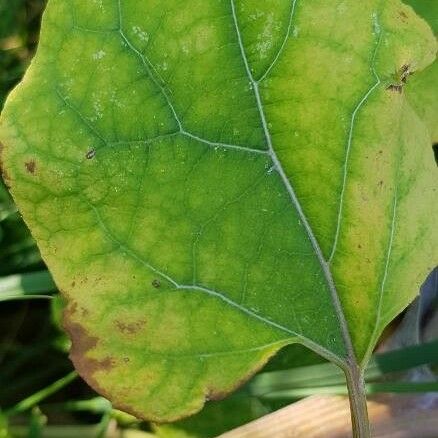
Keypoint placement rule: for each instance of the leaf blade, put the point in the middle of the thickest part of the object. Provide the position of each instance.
(147, 196)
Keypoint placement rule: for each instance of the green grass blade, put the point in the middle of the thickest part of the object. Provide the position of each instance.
(327, 374)
(38, 396)
(31, 285)
(371, 388)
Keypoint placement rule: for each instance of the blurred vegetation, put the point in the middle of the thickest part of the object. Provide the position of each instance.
(41, 395)
(33, 349)
(19, 27)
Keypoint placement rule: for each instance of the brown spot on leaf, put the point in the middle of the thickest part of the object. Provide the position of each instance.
(30, 166)
(82, 343)
(403, 16)
(6, 178)
(72, 308)
(397, 88)
(130, 328)
(4, 173)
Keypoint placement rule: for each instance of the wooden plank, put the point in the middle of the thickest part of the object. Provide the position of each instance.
(329, 417)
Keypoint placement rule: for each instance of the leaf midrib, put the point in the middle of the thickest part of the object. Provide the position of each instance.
(324, 265)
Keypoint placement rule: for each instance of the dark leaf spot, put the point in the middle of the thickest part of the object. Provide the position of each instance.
(403, 16)
(435, 152)
(130, 328)
(73, 308)
(3, 172)
(156, 284)
(395, 88)
(82, 343)
(30, 166)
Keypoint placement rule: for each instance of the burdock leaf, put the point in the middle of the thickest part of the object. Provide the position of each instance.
(209, 181)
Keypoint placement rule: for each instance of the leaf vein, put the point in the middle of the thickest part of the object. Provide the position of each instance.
(152, 73)
(349, 145)
(283, 44)
(221, 296)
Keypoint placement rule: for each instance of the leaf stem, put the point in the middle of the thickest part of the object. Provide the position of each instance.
(358, 401)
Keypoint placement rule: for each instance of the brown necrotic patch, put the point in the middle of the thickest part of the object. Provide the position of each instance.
(130, 328)
(82, 344)
(398, 88)
(403, 16)
(3, 172)
(30, 166)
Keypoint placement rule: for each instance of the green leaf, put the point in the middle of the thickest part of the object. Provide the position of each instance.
(208, 184)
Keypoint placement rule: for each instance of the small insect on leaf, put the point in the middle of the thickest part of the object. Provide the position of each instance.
(90, 154)
(156, 283)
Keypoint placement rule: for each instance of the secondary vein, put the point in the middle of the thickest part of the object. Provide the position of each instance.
(283, 45)
(349, 144)
(217, 294)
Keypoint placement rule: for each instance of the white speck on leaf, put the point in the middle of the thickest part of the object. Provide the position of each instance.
(98, 55)
(376, 24)
(140, 33)
(265, 39)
